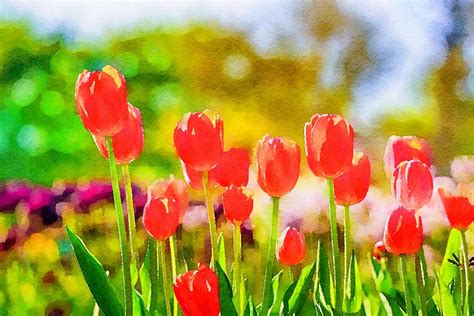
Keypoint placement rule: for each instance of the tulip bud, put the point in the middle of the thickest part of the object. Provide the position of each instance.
(379, 250)
(233, 168)
(198, 139)
(278, 165)
(329, 144)
(459, 209)
(352, 186)
(412, 184)
(197, 292)
(101, 101)
(128, 143)
(237, 204)
(403, 233)
(291, 247)
(404, 148)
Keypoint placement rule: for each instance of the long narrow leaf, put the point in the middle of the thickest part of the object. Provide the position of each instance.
(225, 293)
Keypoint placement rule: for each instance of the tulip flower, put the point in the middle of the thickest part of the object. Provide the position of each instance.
(101, 101)
(403, 233)
(404, 148)
(174, 191)
(160, 217)
(291, 247)
(352, 186)
(198, 139)
(278, 165)
(197, 292)
(193, 178)
(459, 209)
(237, 204)
(379, 250)
(329, 144)
(412, 184)
(128, 143)
(233, 168)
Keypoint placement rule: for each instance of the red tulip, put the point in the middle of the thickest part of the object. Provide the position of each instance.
(197, 292)
(237, 204)
(278, 165)
(403, 148)
(194, 178)
(403, 233)
(198, 139)
(233, 168)
(291, 247)
(412, 184)
(128, 143)
(458, 208)
(379, 250)
(352, 186)
(101, 101)
(329, 143)
(173, 190)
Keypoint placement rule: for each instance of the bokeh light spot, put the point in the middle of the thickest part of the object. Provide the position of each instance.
(24, 92)
(32, 139)
(52, 103)
(236, 67)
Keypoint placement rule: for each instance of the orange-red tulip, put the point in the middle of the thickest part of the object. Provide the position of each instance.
(291, 247)
(403, 233)
(329, 144)
(197, 292)
(458, 208)
(128, 143)
(412, 184)
(237, 204)
(198, 139)
(404, 148)
(233, 168)
(352, 186)
(379, 250)
(101, 101)
(278, 165)
(173, 190)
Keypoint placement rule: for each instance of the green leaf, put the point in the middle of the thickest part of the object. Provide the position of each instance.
(323, 284)
(275, 307)
(221, 252)
(448, 271)
(353, 294)
(250, 310)
(447, 304)
(285, 306)
(145, 277)
(390, 305)
(138, 304)
(382, 277)
(99, 284)
(303, 286)
(225, 293)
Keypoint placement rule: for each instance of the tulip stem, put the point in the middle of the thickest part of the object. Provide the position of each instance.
(292, 274)
(211, 217)
(131, 216)
(162, 246)
(406, 289)
(124, 251)
(153, 275)
(174, 270)
(421, 282)
(336, 274)
(466, 271)
(270, 258)
(347, 244)
(237, 274)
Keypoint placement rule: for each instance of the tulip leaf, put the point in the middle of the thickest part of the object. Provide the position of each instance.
(446, 304)
(353, 292)
(96, 278)
(323, 284)
(225, 293)
(145, 277)
(285, 308)
(221, 252)
(390, 305)
(448, 271)
(250, 310)
(297, 294)
(275, 307)
(138, 304)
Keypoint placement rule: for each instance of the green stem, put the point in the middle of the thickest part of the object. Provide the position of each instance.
(466, 271)
(292, 274)
(421, 282)
(211, 217)
(237, 273)
(406, 289)
(124, 251)
(131, 215)
(270, 258)
(336, 274)
(162, 246)
(347, 244)
(174, 270)
(153, 275)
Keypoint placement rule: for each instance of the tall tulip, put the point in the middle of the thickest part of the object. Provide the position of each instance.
(278, 166)
(101, 101)
(403, 148)
(233, 168)
(291, 247)
(197, 292)
(412, 184)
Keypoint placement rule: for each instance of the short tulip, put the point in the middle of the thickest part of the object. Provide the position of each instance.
(379, 250)
(237, 204)
(329, 144)
(128, 143)
(101, 101)
(412, 184)
(352, 186)
(198, 139)
(278, 165)
(404, 148)
(173, 190)
(194, 178)
(403, 233)
(197, 292)
(291, 247)
(233, 168)
(459, 209)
